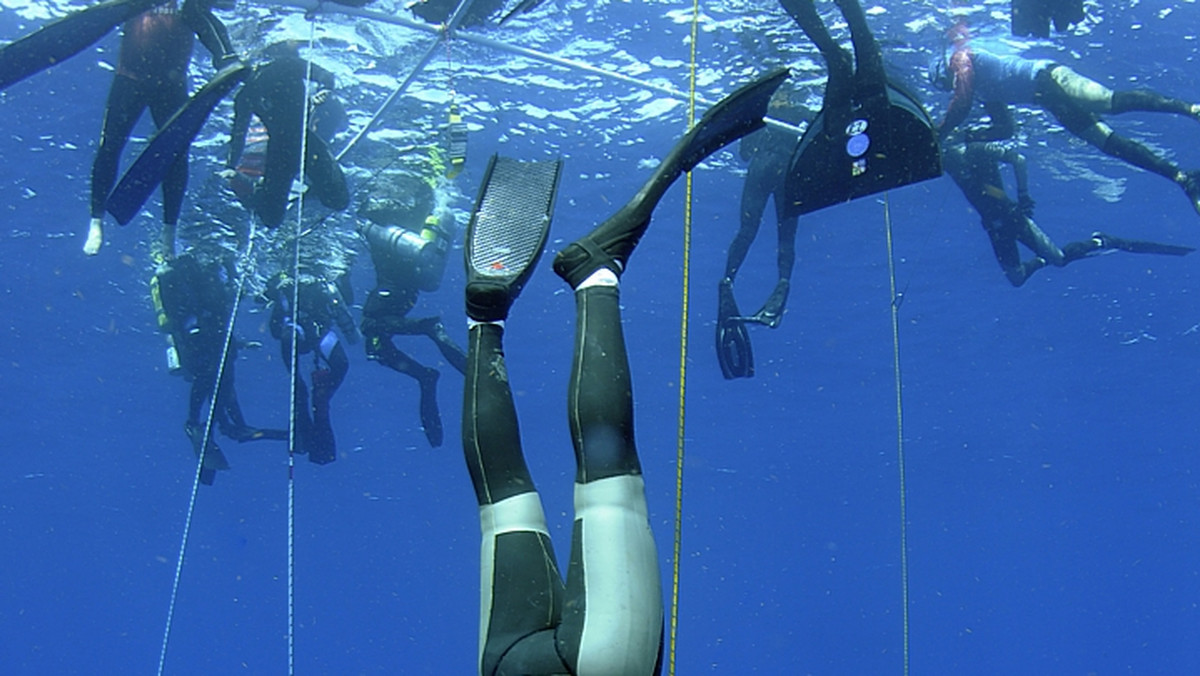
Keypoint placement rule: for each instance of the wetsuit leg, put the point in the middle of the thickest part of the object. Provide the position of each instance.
(520, 586)
(755, 191)
(125, 105)
(281, 165)
(325, 382)
(1040, 243)
(867, 55)
(1142, 99)
(787, 227)
(324, 175)
(380, 348)
(212, 33)
(1004, 244)
(1088, 127)
(614, 598)
(840, 62)
(450, 350)
(168, 97)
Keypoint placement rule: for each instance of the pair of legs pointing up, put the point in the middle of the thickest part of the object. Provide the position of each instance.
(606, 617)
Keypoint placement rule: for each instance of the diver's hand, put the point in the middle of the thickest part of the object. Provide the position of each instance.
(320, 97)
(1026, 204)
(227, 173)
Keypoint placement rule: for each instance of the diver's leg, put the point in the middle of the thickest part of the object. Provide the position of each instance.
(771, 313)
(613, 618)
(380, 348)
(1040, 243)
(325, 383)
(450, 350)
(755, 191)
(867, 55)
(1151, 101)
(521, 589)
(1009, 258)
(281, 165)
(840, 62)
(324, 175)
(121, 113)
(212, 33)
(168, 98)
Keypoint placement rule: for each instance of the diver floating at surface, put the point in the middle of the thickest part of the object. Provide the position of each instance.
(156, 48)
(975, 168)
(1074, 100)
(65, 37)
(276, 92)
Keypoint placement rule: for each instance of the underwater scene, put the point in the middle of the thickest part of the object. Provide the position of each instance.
(628, 337)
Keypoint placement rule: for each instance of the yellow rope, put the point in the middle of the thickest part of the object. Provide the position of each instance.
(683, 343)
(887, 219)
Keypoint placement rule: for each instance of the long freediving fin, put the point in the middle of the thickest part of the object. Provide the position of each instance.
(171, 141)
(610, 243)
(735, 353)
(1143, 246)
(61, 39)
(507, 232)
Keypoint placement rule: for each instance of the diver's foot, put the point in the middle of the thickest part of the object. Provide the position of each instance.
(95, 237)
(609, 246)
(214, 459)
(1191, 185)
(490, 301)
(771, 314)
(431, 419)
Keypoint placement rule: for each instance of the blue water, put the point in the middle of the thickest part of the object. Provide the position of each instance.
(1050, 432)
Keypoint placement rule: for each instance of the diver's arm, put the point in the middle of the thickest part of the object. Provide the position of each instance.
(1000, 127)
(1006, 153)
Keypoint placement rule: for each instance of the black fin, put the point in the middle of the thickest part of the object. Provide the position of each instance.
(888, 143)
(610, 244)
(1143, 246)
(168, 143)
(734, 350)
(507, 232)
(60, 40)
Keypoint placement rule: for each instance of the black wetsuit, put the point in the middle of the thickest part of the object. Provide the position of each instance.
(406, 263)
(533, 623)
(277, 94)
(156, 49)
(194, 301)
(323, 305)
